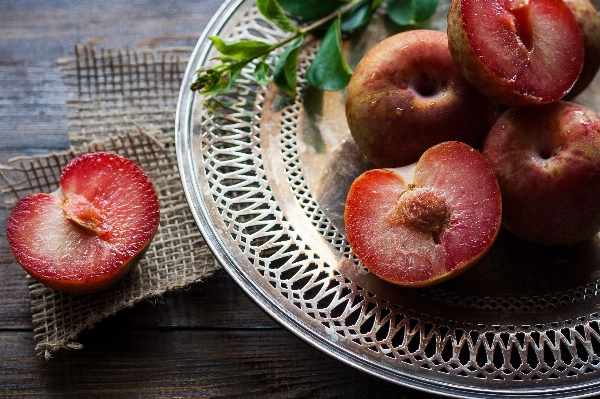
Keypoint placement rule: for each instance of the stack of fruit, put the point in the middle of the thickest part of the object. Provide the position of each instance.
(476, 133)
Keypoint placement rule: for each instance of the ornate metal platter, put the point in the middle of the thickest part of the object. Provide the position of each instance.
(266, 178)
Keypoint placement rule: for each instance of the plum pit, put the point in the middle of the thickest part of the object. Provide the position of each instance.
(82, 212)
(424, 210)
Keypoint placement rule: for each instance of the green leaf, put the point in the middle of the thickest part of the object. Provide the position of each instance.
(271, 10)
(376, 3)
(310, 9)
(227, 59)
(410, 12)
(220, 79)
(329, 70)
(242, 50)
(285, 71)
(261, 73)
(214, 103)
(356, 17)
(235, 71)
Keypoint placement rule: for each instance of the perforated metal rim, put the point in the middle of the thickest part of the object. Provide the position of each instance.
(278, 245)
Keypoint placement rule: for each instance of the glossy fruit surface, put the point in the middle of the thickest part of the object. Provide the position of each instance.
(434, 227)
(547, 161)
(588, 21)
(406, 95)
(517, 52)
(84, 236)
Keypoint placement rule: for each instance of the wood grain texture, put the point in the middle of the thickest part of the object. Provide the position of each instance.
(207, 341)
(186, 363)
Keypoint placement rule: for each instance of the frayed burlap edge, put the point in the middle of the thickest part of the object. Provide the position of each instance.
(124, 102)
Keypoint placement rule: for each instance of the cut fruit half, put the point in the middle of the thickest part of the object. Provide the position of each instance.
(85, 236)
(422, 232)
(517, 52)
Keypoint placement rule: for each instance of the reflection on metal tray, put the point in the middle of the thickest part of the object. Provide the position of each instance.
(266, 178)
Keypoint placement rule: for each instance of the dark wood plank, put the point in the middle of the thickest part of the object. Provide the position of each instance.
(187, 363)
(34, 35)
(32, 109)
(215, 303)
(15, 309)
(42, 31)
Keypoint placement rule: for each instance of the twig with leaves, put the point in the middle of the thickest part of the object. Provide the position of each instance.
(329, 69)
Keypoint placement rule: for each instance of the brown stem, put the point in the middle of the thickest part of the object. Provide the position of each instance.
(329, 17)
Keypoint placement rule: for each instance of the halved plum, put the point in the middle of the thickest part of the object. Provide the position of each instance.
(86, 235)
(517, 52)
(425, 231)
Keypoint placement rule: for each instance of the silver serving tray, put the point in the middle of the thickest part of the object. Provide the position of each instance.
(266, 179)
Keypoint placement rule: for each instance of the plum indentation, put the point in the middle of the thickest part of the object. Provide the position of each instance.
(425, 85)
(424, 210)
(546, 153)
(520, 11)
(546, 146)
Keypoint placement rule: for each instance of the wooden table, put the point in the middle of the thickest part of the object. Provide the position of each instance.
(207, 341)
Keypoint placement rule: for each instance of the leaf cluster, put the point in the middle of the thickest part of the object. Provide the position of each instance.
(329, 69)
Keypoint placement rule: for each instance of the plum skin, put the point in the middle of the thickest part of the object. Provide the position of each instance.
(588, 21)
(422, 233)
(523, 86)
(65, 254)
(547, 164)
(406, 95)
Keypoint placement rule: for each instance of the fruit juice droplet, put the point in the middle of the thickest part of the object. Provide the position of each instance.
(582, 119)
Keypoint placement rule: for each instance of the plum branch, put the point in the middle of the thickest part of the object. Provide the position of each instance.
(328, 71)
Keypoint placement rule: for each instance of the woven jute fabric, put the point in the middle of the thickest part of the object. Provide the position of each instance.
(123, 102)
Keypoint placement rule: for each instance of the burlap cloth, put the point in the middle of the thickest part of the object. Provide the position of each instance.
(122, 102)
